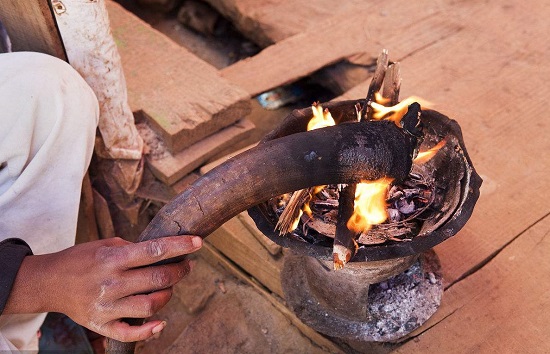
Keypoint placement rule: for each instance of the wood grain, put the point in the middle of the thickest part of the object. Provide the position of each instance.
(500, 308)
(184, 98)
(341, 36)
(31, 27)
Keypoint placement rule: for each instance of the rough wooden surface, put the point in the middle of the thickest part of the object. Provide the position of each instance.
(499, 309)
(171, 167)
(214, 257)
(185, 98)
(490, 72)
(340, 36)
(269, 22)
(31, 26)
(236, 242)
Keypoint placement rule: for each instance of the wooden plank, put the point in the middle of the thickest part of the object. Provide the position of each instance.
(221, 160)
(269, 22)
(342, 36)
(273, 248)
(169, 168)
(236, 242)
(499, 309)
(184, 98)
(31, 27)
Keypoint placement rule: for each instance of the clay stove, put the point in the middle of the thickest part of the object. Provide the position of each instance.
(388, 289)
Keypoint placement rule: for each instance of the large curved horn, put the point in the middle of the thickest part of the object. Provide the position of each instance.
(346, 153)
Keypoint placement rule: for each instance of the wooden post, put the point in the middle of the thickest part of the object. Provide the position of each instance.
(92, 51)
(31, 27)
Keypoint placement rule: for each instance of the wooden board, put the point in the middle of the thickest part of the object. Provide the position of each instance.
(169, 168)
(493, 80)
(185, 98)
(235, 241)
(343, 35)
(502, 308)
(215, 258)
(269, 22)
(31, 27)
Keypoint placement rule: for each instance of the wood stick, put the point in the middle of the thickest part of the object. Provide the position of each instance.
(344, 240)
(375, 84)
(392, 84)
(291, 213)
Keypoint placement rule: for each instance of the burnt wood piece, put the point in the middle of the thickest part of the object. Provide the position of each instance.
(344, 239)
(392, 84)
(375, 84)
(346, 153)
(292, 210)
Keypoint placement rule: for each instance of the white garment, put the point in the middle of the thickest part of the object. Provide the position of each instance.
(48, 120)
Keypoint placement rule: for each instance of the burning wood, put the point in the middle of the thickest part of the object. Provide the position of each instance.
(360, 207)
(289, 218)
(375, 84)
(344, 238)
(405, 205)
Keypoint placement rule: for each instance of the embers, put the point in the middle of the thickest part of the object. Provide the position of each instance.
(408, 205)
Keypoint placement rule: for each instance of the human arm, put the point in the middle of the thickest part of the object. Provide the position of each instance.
(98, 283)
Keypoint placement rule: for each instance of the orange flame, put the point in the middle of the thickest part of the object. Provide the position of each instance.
(320, 118)
(425, 156)
(394, 113)
(306, 208)
(296, 221)
(370, 204)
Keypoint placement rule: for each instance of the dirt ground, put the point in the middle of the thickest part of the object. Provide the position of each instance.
(212, 312)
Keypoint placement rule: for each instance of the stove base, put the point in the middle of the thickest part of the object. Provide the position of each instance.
(393, 307)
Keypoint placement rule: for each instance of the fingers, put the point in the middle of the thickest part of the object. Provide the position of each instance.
(149, 279)
(141, 306)
(123, 332)
(152, 251)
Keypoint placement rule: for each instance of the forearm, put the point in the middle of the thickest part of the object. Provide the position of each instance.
(32, 288)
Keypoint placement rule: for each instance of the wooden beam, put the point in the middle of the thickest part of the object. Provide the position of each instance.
(31, 27)
(169, 168)
(339, 37)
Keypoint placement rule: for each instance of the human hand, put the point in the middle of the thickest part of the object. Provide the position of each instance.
(98, 283)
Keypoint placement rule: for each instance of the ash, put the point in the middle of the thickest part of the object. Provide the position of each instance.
(402, 303)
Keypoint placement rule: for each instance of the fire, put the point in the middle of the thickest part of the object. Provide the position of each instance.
(425, 156)
(296, 221)
(370, 205)
(393, 113)
(321, 118)
(306, 208)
